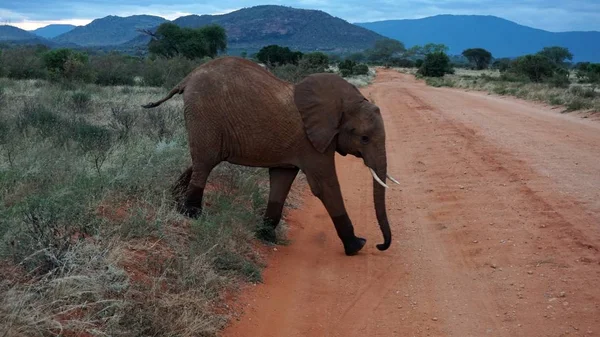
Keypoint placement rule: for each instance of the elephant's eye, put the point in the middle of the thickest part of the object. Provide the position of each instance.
(364, 140)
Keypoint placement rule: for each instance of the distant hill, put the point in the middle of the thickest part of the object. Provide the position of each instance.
(110, 30)
(10, 33)
(503, 38)
(253, 28)
(52, 31)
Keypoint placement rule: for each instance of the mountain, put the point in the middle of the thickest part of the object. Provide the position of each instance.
(503, 38)
(52, 31)
(10, 33)
(110, 30)
(300, 29)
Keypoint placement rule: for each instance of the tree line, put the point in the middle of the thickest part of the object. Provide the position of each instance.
(174, 50)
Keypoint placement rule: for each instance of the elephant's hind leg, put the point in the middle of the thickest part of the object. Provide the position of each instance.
(179, 189)
(280, 182)
(192, 205)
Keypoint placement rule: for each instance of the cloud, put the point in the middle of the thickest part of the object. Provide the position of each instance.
(553, 15)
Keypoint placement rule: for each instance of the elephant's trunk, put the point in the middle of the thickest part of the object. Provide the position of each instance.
(379, 201)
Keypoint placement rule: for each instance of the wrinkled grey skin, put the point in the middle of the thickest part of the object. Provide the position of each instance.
(238, 112)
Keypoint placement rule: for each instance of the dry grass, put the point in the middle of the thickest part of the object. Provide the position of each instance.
(576, 97)
(362, 80)
(90, 243)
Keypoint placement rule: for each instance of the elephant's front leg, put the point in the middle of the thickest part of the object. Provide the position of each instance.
(280, 180)
(327, 188)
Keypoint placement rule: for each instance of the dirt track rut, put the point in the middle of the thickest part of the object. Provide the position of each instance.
(496, 228)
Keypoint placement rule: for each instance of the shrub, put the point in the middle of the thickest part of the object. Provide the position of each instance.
(582, 92)
(418, 63)
(160, 71)
(401, 62)
(349, 68)
(81, 101)
(317, 60)
(277, 55)
(115, 69)
(436, 65)
(295, 73)
(360, 69)
(23, 63)
(346, 72)
(347, 64)
(66, 63)
(501, 64)
(589, 72)
(560, 78)
(122, 121)
(38, 116)
(535, 67)
(577, 103)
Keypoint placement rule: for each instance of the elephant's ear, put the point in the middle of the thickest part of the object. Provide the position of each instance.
(319, 98)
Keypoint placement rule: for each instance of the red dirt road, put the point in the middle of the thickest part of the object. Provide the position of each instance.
(496, 228)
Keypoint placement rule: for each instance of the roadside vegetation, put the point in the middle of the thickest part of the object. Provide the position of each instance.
(546, 76)
(90, 241)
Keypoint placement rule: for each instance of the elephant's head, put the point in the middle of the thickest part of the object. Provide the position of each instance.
(337, 116)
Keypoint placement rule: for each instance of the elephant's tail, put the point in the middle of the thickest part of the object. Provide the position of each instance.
(177, 90)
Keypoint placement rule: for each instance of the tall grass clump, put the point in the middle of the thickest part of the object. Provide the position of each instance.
(90, 240)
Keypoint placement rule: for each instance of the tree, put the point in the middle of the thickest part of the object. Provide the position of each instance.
(385, 49)
(317, 60)
(67, 64)
(419, 52)
(588, 72)
(277, 55)
(170, 40)
(502, 64)
(557, 55)
(536, 67)
(478, 56)
(436, 65)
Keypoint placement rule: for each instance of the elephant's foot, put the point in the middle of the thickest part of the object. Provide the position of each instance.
(345, 231)
(266, 233)
(354, 246)
(191, 212)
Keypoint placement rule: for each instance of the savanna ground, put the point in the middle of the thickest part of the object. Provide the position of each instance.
(91, 244)
(495, 226)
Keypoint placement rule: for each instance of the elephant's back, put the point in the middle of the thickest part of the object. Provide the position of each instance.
(252, 108)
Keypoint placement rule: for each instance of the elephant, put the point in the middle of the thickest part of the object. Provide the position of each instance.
(239, 112)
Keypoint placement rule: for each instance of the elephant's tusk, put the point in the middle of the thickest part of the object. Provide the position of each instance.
(392, 179)
(377, 178)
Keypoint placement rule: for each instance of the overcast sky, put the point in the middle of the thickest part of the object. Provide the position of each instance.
(552, 15)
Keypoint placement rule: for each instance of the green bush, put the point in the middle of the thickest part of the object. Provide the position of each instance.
(536, 67)
(501, 64)
(274, 55)
(67, 64)
(345, 72)
(436, 65)
(317, 60)
(360, 69)
(295, 73)
(589, 72)
(560, 79)
(115, 69)
(347, 64)
(418, 63)
(24, 63)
